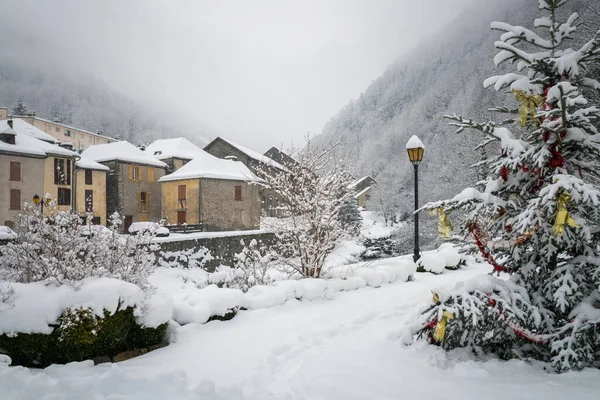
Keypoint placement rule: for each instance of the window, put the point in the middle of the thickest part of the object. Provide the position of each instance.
(15, 171)
(15, 199)
(89, 138)
(57, 129)
(81, 136)
(150, 174)
(62, 171)
(143, 201)
(181, 195)
(64, 197)
(238, 193)
(95, 221)
(88, 177)
(89, 201)
(134, 173)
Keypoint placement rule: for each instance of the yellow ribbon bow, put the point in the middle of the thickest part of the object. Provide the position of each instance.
(444, 225)
(562, 215)
(440, 329)
(529, 104)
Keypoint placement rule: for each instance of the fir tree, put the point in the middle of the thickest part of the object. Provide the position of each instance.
(19, 108)
(541, 199)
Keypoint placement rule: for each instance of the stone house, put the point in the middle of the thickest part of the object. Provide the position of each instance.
(174, 152)
(30, 166)
(90, 190)
(212, 192)
(132, 187)
(226, 149)
(363, 189)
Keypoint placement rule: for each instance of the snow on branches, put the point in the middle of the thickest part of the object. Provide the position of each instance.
(315, 195)
(540, 201)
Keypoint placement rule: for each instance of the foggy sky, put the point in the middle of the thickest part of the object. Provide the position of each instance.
(260, 72)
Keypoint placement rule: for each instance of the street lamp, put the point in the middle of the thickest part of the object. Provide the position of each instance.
(39, 202)
(415, 149)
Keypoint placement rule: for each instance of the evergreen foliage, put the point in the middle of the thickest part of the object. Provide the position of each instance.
(19, 108)
(540, 199)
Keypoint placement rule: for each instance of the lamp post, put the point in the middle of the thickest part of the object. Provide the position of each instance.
(415, 149)
(40, 202)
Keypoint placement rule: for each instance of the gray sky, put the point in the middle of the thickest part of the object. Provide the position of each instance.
(259, 72)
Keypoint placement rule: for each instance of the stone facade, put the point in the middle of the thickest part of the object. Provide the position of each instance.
(222, 149)
(217, 204)
(123, 193)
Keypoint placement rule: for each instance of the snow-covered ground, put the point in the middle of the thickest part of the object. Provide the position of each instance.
(348, 347)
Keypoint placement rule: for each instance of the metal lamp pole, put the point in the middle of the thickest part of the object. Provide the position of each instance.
(415, 149)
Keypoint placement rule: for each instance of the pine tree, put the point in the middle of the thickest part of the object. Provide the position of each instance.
(19, 108)
(541, 201)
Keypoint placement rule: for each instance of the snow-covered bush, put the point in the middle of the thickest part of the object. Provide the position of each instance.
(252, 266)
(55, 248)
(535, 216)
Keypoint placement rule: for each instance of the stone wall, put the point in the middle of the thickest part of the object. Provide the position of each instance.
(222, 249)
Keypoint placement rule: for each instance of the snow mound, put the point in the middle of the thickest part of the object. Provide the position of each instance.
(33, 307)
(446, 256)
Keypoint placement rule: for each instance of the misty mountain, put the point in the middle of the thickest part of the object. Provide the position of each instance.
(81, 100)
(411, 97)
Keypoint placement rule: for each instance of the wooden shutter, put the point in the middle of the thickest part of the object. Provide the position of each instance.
(88, 177)
(139, 201)
(150, 174)
(68, 172)
(15, 199)
(181, 192)
(238, 193)
(131, 172)
(15, 171)
(56, 172)
(147, 201)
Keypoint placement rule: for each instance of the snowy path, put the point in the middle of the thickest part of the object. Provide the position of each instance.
(345, 348)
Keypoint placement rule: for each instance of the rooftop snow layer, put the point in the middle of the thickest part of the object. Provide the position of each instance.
(173, 148)
(86, 163)
(23, 127)
(256, 155)
(414, 142)
(205, 165)
(120, 151)
(28, 145)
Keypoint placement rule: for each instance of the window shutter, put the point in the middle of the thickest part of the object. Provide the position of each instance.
(56, 173)
(131, 172)
(15, 171)
(181, 192)
(15, 199)
(147, 201)
(139, 201)
(68, 172)
(150, 174)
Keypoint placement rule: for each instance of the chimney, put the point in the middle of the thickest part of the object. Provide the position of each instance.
(10, 123)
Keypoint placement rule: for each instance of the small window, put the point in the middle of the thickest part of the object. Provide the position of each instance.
(88, 177)
(143, 201)
(89, 138)
(57, 129)
(81, 135)
(62, 171)
(96, 221)
(181, 195)
(64, 197)
(15, 199)
(135, 173)
(15, 171)
(238, 193)
(89, 201)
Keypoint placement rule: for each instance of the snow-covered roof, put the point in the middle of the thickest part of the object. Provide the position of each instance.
(205, 165)
(86, 163)
(255, 155)
(23, 127)
(120, 151)
(71, 127)
(414, 143)
(173, 148)
(365, 190)
(359, 181)
(28, 145)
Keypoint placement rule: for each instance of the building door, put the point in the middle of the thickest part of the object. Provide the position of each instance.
(180, 217)
(127, 223)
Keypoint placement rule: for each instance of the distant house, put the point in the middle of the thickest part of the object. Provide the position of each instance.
(30, 165)
(363, 189)
(132, 187)
(174, 152)
(280, 157)
(77, 138)
(213, 192)
(90, 190)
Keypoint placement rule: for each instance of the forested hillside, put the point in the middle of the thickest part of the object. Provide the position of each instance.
(443, 77)
(85, 102)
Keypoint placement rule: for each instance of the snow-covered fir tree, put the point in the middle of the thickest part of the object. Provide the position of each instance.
(19, 108)
(542, 199)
